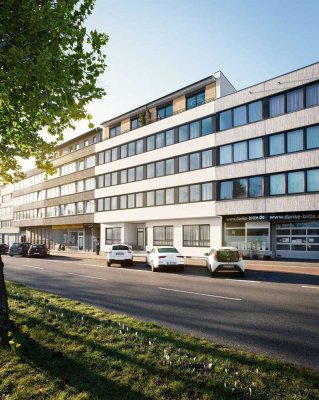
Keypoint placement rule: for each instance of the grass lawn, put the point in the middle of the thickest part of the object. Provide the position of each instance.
(63, 349)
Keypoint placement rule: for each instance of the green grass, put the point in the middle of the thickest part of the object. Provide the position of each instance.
(71, 350)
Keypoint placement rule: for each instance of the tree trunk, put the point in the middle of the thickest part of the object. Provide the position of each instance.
(4, 309)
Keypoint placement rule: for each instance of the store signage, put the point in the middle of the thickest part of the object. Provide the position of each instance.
(74, 226)
(298, 216)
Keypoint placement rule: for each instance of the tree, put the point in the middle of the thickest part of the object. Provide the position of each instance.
(49, 66)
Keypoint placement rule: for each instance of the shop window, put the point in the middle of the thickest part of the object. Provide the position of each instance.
(196, 235)
(113, 235)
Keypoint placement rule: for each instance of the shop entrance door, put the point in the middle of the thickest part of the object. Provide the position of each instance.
(81, 241)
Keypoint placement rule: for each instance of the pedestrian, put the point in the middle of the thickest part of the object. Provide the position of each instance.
(97, 246)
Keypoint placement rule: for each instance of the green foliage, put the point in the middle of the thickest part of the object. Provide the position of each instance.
(49, 66)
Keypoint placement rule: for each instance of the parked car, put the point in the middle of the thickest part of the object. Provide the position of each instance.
(119, 253)
(38, 250)
(19, 249)
(165, 256)
(4, 248)
(227, 259)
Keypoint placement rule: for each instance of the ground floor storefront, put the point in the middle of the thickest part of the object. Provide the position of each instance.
(9, 238)
(280, 235)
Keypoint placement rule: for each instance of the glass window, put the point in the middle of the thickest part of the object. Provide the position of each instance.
(160, 197)
(194, 193)
(107, 156)
(195, 100)
(101, 158)
(226, 154)
(150, 143)
(296, 182)
(313, 180)
(114, 178)
(240, 116)
(80, 186)
(131, 174)
(207, 191)
(276, 105)
(256, 186)
(135, 123)
(207, 158)
(123, 202)
(196, 236)
(150, 199)
(277, 144)
(313, 137)
(139, 146)
(226, 190)
(240, 151)
(295, 100)
(312, 95)
(131, 149)
(183, 133)
(107, 204)
(140, 173)
(194, 161)
(114, 203)
(225, 120)
(124, 151)
(131, 201)
(183, 163)
(124, 176)
(107, 180)
(165, 112)
(183, 194)
(170, 166)
(139, 200)
(115, 131)
(160, 168)
(295, 141)
(277, 184)
(194, 130)
(160, 140)
(100, 204)
(207, 126)
(150, 170)
(170, 196)
(170, 137)
(163, 236)
(114, 154)
(256, 148)
(240, 188)
(255, 111)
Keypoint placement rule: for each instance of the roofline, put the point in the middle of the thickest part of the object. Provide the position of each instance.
(75, 139)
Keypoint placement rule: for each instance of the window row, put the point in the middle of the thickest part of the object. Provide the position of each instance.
(187, 162)
(193, 236)
(160, 197)
(5, 210)
(6, 224)
(162, 139)
(6, 198)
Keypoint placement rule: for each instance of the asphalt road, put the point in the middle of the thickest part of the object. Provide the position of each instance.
(269, 313)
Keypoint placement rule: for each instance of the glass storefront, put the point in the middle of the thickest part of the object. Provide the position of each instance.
(248, 236)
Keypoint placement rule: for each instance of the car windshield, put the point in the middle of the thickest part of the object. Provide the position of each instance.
(167, 250)
(37, 246)
(120, 247)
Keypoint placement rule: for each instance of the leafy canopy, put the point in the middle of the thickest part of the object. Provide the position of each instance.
(49, 66)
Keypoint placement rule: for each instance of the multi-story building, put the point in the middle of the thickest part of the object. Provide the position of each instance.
(8, 233)
(59, 209)
(207, 165)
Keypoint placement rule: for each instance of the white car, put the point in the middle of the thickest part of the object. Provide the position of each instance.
(164, 256)
(226, 259)
(119, 253)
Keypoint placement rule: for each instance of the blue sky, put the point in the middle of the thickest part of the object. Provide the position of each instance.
(156, 47)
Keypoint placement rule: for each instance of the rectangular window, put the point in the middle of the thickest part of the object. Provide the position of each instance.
(170, 196)
(114, 154)
(81, 165)
(240, 151)
(135, 123)
(90, 162)
(107, 204)
(131, 149)
(256, 148)
(312, 95)
(114, 203)
(139, 173)
(183, 194)
(170, 137)
(101, 158)
(114, 178)
(150, 171)
(107, 156)
(123, 202)
(195, 100)
(313, 137)
(256, 186)
(131, 174)
(131, 201)
(183, 164)
(113, 235)
(295, 100)
(123, 175)
(194, 193)
(313, 180)
(164, 112)
(296, 182)
(295, 141)
(150, 199)
(124, 151)
(277, 184)
(89, 206)
(226, 190)
(182, 133)
(226, 154)
(115, 131)
(240, 188)
(107, 180)
(139, 146)
(160, 197)
(160, 168)
(100, 204)
(207, 126)
(194, 161)
(255, 111)
(196, 236)
(169, 164)
(150, 143)
(80, 186)
(276, 105)
(207, 158)
(139, 200)
(277, 144)
(194, 130)
(240, 116)
(160, 140)
(225, 120)
(207, 191)
(163, 236)
(89, 184)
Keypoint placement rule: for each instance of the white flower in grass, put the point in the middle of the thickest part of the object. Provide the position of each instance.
(250, 391)
(210, 365)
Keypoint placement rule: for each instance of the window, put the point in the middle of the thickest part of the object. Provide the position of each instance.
(313, 137)
(169, 164)
(277, 184)
(160, 199)
(150, 199)
(123, 176)
(107, 180)
(80, 186)
(183, 194)
(207, 158)
(277, 144)
(296, 182)
(256, 186)
(131, 201)
(124, 151)
(107, 156)
(114, 203)
(194, 130)
(68, 169)
(131, 174)
(89, 206)
(160, 140)
(113, 235)
(135, 123)
(150, 143)
(255, 111)
(170, 137)
(295, 100)
(114, 178)
(196, 235)
(123, 202)
(240, 151)
(170, 196)
(86, 143)
(115, 131)
(115, 154)
(93, 140)
(131, 149)
(225, 120)
(207, 126)
(100, 181)
(276, 105)
(194, 193)
(195, 100)
(101, 158)
(313, 180)
(80, 207)
(312, 95)
(207, 191)
(107, 204)
(226, 154)
(240, 116)
(183, 163)
(240, 188)
(160, 168)
(139, 146)
(90, 184)
(295, 141)
(139, 173)
(163, 236)
(194, 161)
(164, 112)
(183, 133)
(139, 200)
(226, 190)
(256, 148)
(81, 165)
(150, 170)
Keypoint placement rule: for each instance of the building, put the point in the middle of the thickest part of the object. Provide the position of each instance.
(8, 233)
(208, 165)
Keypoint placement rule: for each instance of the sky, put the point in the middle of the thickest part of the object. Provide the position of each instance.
(157, 47)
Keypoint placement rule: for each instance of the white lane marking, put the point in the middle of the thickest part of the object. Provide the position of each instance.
(28, 266)
(200, 294)
(310, 287)
(239, 280)
(87, 276)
